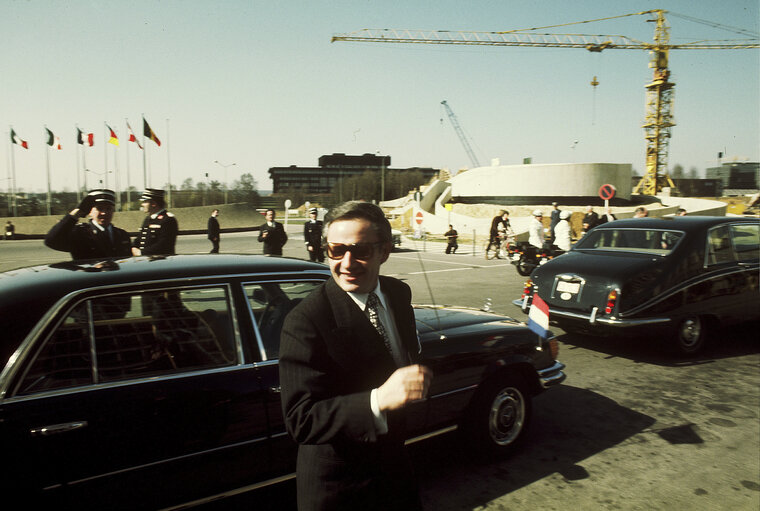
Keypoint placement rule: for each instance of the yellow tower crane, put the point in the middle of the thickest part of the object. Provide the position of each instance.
(658, 120)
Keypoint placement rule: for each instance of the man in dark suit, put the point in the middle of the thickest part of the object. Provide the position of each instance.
(312, 236)
(272, 234)
(347, 369)
(158, 234)
(213, 231)
(96, 239)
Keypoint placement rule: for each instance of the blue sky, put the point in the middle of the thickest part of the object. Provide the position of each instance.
(259, 84)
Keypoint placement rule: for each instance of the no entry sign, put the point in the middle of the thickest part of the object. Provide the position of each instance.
(606, 192)
(418, 218)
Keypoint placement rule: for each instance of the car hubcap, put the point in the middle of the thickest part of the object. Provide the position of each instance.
(507, 416)
(691, 331)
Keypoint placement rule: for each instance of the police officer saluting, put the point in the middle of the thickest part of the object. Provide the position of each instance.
(312, 235)
(96, 239)
(158, 233)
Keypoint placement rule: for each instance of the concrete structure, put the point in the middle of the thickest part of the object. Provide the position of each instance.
(567, 183)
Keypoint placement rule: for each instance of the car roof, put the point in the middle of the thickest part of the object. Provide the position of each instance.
(61, 278)
(681, 223)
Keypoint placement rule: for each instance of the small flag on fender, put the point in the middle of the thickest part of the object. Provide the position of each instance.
(538, 317)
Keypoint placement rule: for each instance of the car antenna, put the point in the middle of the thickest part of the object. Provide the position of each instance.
(430, 291)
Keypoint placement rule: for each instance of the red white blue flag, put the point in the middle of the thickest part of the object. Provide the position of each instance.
(538, 317)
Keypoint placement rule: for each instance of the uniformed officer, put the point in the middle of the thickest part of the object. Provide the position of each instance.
(312, 235)
(96, 239)
(158, 234)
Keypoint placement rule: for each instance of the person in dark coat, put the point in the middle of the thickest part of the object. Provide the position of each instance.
(213, 231)
(348, 369)
(158, 234)
(96, 239)
(590, 219)
(554, 221)
(10, 230)
(451, 237)
(312, 236)
(272, 234)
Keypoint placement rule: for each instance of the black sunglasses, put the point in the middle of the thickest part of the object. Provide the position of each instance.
(361, 251)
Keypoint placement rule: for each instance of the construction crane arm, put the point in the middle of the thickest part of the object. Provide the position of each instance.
(528, 39)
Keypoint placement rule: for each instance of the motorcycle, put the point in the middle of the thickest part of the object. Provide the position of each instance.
(527, 258)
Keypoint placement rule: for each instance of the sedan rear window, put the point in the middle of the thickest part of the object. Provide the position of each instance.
(135, 335)
(650, 241)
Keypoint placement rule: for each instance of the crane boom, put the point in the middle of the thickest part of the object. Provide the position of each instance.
(460, 134)
(658, 120)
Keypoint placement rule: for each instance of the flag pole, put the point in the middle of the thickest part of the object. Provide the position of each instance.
(8, 173)
(145, 150)
(128, 184)
(105, 156)
(116, 174)
(168, 168)
(78, 171)
(13, 175)
(47, 168)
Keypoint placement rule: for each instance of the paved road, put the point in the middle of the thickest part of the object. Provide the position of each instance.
(631, 429)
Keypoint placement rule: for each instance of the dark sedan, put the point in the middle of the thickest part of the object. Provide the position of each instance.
(667, 279)
(149, 383)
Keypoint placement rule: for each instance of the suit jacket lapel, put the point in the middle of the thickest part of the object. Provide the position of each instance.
(404, 316)
(354, 340)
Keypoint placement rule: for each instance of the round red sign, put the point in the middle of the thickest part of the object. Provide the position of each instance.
(606, 192)
(419, 218)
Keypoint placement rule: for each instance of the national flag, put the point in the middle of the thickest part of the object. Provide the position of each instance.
(149, 133)
(132, 137)
(85, 138)
(17, 140)
(538, 317)
(114, 139)
(53, 141)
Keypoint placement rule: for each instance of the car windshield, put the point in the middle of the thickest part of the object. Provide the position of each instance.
(650, 241)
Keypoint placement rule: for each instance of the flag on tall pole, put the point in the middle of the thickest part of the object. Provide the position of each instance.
(17, 140)
(85, 138)
(149, 133)
(132, 137)
(53, 141)
(113, 139)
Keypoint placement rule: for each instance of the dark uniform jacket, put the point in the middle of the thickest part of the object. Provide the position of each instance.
(312, 235)
(275, 240)
(158, 234)
(213, 228)
(331, 357)
(87, 241)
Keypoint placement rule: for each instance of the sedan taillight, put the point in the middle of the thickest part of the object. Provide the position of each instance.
(611, 301)
(527, 289)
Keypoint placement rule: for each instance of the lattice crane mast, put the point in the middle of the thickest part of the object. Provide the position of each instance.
(658, 119)
(460, 134)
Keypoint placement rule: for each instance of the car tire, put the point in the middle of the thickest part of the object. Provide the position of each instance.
(690, 335)
(523, 268)
(500, 417)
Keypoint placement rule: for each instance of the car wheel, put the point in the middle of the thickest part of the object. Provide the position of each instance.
(691, 335)
(523, 268)
(501, 416)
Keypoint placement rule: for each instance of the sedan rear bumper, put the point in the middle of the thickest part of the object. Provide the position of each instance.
(593, 319)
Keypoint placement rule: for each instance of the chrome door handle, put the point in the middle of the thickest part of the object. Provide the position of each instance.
(275, 390)
(58, 428)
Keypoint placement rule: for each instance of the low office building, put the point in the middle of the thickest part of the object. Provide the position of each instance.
(333, 168)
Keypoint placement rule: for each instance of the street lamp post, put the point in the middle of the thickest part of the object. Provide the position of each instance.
(226, 188)
(382, 177)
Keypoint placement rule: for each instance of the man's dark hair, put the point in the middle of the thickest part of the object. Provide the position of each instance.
(270, 209)
(353, 210)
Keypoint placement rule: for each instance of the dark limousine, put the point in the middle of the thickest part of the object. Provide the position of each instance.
(672, 280)
(152, 382)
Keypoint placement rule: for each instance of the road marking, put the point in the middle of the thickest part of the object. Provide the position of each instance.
(469, 265)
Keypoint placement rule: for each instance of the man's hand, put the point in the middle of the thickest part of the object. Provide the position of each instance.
(406, 384)
(136, 251)
(86, 206)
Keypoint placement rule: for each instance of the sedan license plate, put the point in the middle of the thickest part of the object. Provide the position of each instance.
(568, 287)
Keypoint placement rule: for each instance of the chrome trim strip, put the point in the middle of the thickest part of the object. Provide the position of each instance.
(232, 493)
(431, 434)
(168, 460)
(608, 321)
(455, 391)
